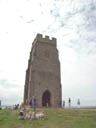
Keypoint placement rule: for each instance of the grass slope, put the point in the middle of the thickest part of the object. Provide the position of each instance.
(54, 118)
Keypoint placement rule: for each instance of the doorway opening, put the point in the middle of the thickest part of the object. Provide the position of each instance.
(46, 99)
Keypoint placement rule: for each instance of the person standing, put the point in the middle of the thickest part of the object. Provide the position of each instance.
(0, 105)
(0, 102)
(30, 103)
(78, 103)
(34, 103)
(69, 102)
(63, 104)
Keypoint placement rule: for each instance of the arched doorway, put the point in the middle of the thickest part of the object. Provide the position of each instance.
(46, 97)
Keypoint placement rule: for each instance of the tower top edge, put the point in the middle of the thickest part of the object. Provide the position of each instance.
(40, 38)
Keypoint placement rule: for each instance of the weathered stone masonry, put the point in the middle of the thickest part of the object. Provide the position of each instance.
(43, 78)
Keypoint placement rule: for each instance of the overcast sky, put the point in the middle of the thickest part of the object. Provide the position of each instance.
(72, 22)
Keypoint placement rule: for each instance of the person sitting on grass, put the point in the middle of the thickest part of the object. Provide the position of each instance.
(28, 116)
(21, 115)
(36, 116)
(40, 114)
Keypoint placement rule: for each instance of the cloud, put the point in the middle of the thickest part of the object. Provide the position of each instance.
(10, 92)
(21, 17)
(66, 15)
(5, 83)
(30, 21)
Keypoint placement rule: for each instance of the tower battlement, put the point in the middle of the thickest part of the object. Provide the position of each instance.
(46, 39)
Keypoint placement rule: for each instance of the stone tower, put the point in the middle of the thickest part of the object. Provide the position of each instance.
(43, 74)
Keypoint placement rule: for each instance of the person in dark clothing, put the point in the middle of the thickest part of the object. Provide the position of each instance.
(30, 103)
(21, 115)
(63, 103)
(69, 102)
(78, 103)
(0, 105)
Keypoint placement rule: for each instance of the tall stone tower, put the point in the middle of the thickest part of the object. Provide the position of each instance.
(43, 74)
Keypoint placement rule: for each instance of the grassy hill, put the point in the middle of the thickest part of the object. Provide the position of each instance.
(54, 118)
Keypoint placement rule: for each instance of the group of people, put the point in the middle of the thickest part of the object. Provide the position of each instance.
(30, 115)
(17, 106)
(69, 102)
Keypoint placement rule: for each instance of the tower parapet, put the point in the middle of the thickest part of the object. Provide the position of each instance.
(41, 39)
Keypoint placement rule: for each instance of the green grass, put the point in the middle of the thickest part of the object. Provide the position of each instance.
(54, 118)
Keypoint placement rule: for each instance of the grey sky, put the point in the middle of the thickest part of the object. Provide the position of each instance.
(72, 22)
